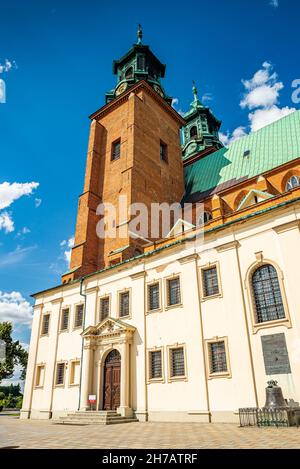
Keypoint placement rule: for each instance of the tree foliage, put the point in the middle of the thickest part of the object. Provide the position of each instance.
(15, 353)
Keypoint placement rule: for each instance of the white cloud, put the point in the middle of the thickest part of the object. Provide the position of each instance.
(11, 192)
(207, 97)
(262, 93)
(175, 101)
(16, 256)
(7, 65)
(2, 92)
(227, 139)
(70, 244)
(14, 308)
(37, 202)
(262, 117)
(274, 3)
(262, 90)
(6, 222)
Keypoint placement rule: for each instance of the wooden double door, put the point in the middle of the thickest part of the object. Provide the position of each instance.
(112, 381)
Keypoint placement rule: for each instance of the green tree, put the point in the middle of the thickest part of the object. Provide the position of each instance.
(15, 353)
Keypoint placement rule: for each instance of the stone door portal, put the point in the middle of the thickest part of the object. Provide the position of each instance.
(112, 381)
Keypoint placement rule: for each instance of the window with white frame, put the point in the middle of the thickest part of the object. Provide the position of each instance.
(45, 324)
(177, 364)
(155, 364)
(124, 309)
(210, 281)
(74, 372)
(153, 296)
(60, 373)
(292, 183)
(64, 324)
(104, 308)
(40, 375)
(173, 291)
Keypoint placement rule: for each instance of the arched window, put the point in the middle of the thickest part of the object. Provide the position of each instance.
(267, 294)
(193, 131)
(205, 217)
(129, 73)
(293, 182)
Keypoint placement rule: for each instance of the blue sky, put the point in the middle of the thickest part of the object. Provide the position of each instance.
(60, 65)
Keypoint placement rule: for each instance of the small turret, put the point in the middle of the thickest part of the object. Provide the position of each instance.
(139, 63)
(201, 131)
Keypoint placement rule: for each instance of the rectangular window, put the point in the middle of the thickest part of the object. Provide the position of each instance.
(173, 286)
(177, 368)
(78, 316)
(141, 62)
(124, 304)
(155, 364)
(153, 296)
(40, 374)
(163, 151)
(64, 319)
(217, 357)
(45, 324)
(60, 373)
(210, 281)
(74, 372)
(104, 308)
(116, 150)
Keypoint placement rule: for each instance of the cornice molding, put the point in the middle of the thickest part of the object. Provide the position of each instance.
(287, 226)
(189, 258)
(228, 246)
(134, 89)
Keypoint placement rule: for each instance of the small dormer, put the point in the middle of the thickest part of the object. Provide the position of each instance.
(253, 197)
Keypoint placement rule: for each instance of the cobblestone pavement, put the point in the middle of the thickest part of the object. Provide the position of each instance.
(45, 434)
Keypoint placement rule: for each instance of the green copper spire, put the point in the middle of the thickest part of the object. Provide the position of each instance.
(201, 130)
(196, 101)
(139, 34)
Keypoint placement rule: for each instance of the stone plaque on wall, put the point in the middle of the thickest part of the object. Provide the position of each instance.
(275, 354)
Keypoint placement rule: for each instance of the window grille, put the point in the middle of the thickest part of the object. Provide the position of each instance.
(153, 296)
(155, 364)
(64, 319)
(104, 308)
(217, 356)
(45, 325)
(124, 304)
(267, 294)
(174, 291)
(79, 316)
(177, 362)
(60, 373)
(210, 281)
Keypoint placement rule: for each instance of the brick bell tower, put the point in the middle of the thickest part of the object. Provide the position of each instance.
(134, 151)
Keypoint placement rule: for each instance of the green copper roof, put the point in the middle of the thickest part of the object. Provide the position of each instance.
(269, 147)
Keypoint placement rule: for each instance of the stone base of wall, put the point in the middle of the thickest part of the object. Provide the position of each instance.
(174, 416)
(151, 416)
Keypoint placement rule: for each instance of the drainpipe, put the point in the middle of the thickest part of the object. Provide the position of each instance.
(83, 327)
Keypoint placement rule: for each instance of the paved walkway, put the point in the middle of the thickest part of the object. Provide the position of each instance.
(46, 434)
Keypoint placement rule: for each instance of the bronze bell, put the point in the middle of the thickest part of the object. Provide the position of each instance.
(274, 396)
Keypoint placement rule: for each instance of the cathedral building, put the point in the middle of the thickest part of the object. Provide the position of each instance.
(189, 326)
